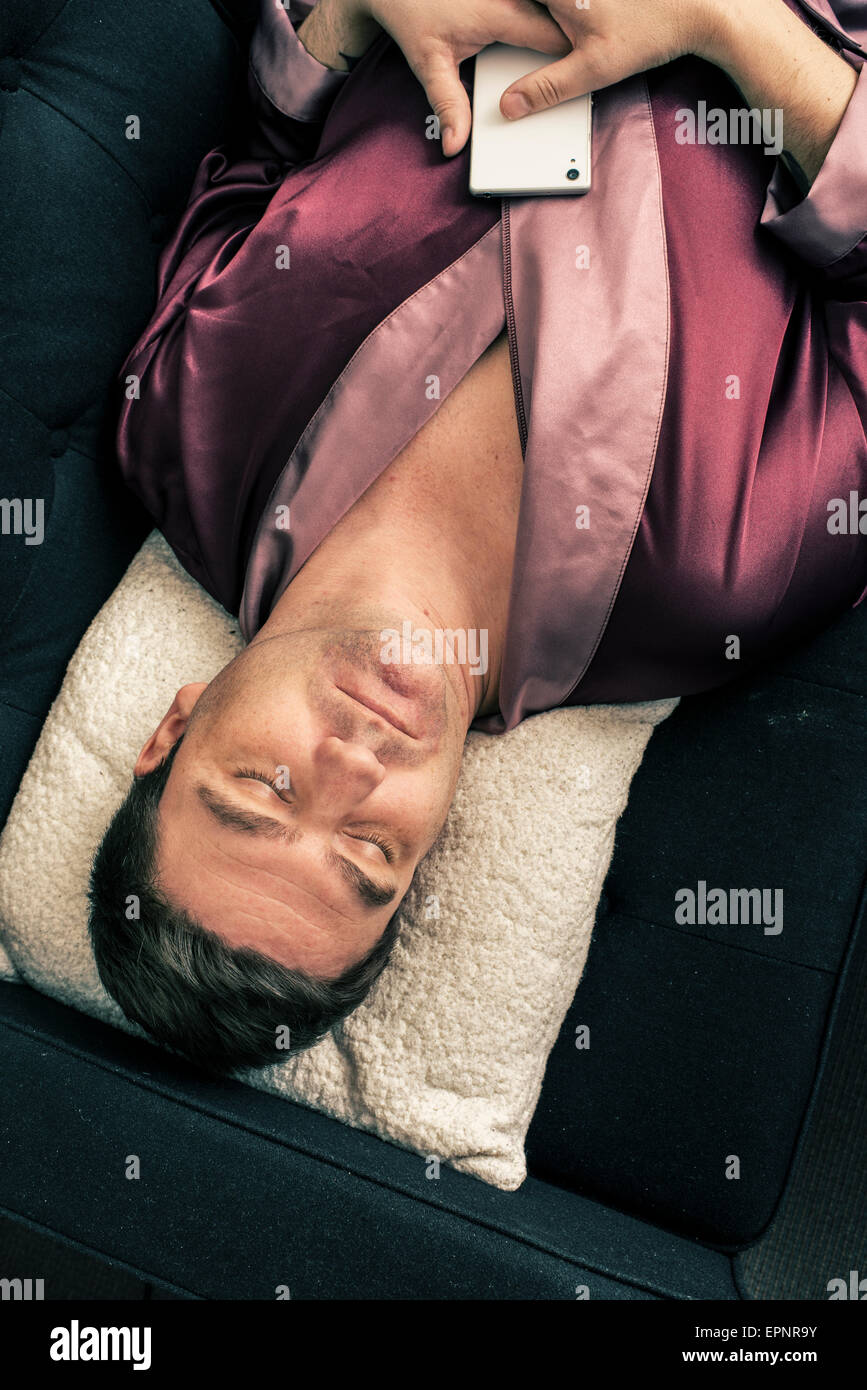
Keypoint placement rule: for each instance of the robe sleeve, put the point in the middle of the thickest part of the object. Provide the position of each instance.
(290, 91)
(826, 228)
(178, 375)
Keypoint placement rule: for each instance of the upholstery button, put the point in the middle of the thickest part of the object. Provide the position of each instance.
(159, 226)
(59, 443)
(10, 74)
(272, 171)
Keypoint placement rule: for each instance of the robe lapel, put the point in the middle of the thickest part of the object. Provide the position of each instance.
(591, 296)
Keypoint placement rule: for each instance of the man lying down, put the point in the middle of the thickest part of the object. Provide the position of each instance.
(375, 417)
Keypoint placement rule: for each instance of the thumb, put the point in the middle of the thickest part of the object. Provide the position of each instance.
(548, 86)
(438, 74)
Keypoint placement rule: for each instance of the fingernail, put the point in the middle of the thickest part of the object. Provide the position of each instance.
(448, 133)
(515, 104)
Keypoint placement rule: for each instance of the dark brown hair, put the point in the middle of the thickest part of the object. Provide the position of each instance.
(222, 1007)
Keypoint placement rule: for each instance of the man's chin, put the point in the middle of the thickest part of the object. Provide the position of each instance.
(412, 698)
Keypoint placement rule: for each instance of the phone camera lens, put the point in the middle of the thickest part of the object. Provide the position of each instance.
(572, 173)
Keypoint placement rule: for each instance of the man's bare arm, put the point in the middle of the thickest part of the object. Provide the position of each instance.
(780, 64)
(337, 34)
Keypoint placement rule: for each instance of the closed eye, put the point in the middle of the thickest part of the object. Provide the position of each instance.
(379, 842)
(371, 838)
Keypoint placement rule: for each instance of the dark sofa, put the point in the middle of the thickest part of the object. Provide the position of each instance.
(708, 1043)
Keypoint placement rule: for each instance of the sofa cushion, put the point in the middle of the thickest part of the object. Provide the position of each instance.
(706, 1038)
(242, 1192)
(84, 213)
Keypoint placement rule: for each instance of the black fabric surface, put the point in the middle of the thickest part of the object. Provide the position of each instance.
(705, 1040)
(83, 214)
(820, 1230)
(240, 1191)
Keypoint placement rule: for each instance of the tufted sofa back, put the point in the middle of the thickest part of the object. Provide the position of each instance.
(105, 111)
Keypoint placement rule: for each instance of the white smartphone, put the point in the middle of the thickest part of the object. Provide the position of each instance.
(548, 152)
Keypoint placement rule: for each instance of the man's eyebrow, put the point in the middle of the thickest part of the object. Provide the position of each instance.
(246, 822)
(371, 893)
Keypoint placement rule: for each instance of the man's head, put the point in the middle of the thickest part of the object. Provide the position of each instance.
(250, 880)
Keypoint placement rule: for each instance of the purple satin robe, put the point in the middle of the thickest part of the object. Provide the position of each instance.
(688, 345)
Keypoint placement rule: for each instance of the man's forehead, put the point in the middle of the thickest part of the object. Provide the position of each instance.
(250, 897)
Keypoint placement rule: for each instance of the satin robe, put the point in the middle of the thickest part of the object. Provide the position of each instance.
(688, 346)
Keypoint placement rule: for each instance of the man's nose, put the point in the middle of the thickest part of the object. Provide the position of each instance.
(345, 770)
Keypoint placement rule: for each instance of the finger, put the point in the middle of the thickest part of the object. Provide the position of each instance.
(437, 71)
(572, 76)
(533, 27)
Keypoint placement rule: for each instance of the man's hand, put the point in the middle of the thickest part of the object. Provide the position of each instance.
(612, 40)
(768, 52)
(436, 35)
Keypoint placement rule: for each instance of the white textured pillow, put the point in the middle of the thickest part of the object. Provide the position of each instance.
(447, 1053)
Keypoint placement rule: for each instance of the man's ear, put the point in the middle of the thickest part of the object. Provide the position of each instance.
(169, 729)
